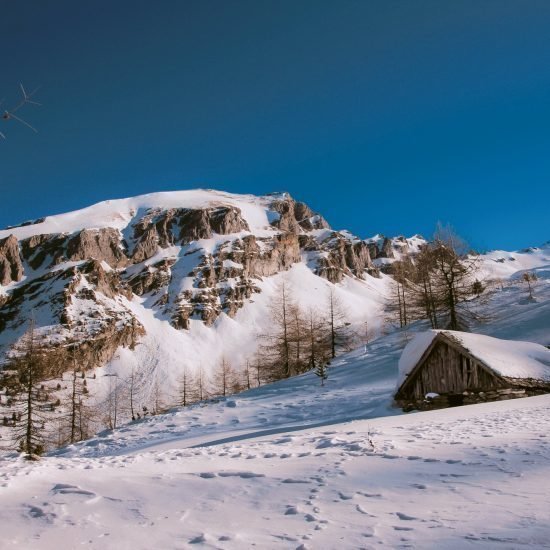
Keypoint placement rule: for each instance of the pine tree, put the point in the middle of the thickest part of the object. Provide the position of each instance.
(322, 372)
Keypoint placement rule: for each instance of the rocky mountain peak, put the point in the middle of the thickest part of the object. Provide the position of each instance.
(187, 257)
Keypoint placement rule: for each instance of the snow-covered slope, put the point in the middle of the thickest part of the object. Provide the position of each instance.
(361, 385)
(296, 465)
(167, 281)
(156, 284)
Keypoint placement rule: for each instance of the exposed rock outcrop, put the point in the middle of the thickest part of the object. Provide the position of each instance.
(296, 217)
(98, 244)
(38, 248)
(160, 229)
(307, 219)
(159, 256)
(11, 266)
(153, 278)
(344, 257)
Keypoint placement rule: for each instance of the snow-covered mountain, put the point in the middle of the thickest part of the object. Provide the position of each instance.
(172, 280)
(186, 275)
(161, 281)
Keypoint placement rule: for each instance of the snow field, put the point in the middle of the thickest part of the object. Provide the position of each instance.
(467, 477)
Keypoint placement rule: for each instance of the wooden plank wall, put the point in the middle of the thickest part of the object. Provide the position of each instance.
(446, 370)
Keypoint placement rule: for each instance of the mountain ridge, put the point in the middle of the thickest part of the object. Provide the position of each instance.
(165, 281)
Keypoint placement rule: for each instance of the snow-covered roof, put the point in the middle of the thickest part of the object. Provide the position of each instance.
(509, 358)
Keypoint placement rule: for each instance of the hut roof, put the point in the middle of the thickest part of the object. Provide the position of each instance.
(507, 358)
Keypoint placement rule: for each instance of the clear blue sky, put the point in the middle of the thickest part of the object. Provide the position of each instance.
(384, 116)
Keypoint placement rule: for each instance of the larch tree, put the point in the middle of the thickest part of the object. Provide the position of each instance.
(200, 384)
(340, 333)
(317, 343)
(77, 412)
(455, 270)
(281, 345)
(247, 375)
(187, 392)
(224, 378)
(33, 365)
(437, 284)
(529, 277)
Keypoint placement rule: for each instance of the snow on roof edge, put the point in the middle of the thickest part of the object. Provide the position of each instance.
(508, 358)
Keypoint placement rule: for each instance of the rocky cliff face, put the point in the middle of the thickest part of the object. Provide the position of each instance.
(186, 263)
(11, 266)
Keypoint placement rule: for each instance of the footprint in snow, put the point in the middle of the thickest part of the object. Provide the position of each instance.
(65, 489)
(369, 495)
(243, 475)
(38, 513)
(405, 517)
(363, 511)
(292, 480)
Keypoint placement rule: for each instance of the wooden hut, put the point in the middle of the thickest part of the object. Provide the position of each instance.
(442, 368)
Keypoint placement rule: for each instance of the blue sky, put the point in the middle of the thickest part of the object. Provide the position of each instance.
(384, 116)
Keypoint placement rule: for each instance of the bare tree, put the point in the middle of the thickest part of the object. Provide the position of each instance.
(200, 383)
(247, 375)
(530, 278)
(298, 339)
(276, 351)
(77, 412)
(318, 350)
(437, 284)
(455, 270)
(340, 333)
(31, 362)
(158, 398)
(9, 114)
(113, 401)
(224, 378)
(186, 393)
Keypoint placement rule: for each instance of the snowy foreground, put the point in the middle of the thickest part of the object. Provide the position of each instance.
(293, 465)
(466, 477)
